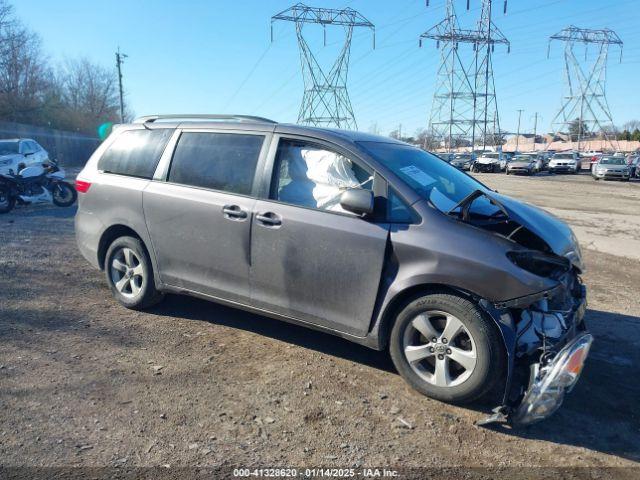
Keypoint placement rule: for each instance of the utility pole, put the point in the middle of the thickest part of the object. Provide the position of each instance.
(535, 130)
(518, 134)
(119, 61)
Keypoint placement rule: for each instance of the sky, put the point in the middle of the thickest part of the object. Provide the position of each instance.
(216, 56)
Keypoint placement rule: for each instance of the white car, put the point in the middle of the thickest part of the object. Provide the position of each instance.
(490, 162)
(18, 153)
(568, 162)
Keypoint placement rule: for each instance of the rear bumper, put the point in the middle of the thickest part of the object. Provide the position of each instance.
(88, 230)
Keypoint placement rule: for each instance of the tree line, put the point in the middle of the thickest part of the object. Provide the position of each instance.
(77, 95)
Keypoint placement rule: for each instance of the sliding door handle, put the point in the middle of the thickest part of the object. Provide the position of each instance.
(234, 212)
(269, 219)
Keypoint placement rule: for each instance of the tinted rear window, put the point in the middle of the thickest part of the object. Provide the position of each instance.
(219, 161)
(135, 152)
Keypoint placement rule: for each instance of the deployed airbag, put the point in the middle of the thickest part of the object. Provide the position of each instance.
(318, 178)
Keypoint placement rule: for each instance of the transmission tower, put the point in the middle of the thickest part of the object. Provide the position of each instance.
(325, 101)
(585, 100)
(488, 118)
(464, 106)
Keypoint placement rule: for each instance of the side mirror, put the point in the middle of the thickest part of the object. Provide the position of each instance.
(358, 201)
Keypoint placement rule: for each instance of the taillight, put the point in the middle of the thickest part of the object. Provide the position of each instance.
(82, 186)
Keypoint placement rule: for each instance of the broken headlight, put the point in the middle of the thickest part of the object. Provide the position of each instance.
(549, 386)
(539, 263)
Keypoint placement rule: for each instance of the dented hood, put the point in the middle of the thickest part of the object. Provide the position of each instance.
(548, 227)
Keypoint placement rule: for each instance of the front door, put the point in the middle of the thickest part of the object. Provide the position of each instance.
(310, 259)
(199, 220)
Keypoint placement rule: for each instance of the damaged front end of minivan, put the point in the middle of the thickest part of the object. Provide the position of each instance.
(547, 350)
(546, 339)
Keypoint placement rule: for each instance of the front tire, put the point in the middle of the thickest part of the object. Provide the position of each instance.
(64, 195)
(7, 201)
(446, 349)
(130, 274)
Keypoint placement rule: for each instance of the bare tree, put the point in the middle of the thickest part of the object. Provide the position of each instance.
(631, 125)
(80, 97)
(89, 95)
(26, 80)
(425, 140)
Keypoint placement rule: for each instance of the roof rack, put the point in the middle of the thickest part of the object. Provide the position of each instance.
(197, 116)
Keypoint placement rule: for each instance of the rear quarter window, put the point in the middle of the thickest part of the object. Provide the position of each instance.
(135, 153)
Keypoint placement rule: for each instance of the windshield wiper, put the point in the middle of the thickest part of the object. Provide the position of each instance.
(465, 204)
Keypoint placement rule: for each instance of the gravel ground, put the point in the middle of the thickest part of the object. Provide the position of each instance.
(85, 382)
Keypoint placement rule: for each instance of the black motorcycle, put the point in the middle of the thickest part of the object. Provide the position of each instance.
(36, 184)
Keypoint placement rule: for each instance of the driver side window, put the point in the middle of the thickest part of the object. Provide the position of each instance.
(313, 176)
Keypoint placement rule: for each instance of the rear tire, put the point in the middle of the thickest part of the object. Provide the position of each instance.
(130, 275)
(7, 202)
(64, 195)
(432, 367)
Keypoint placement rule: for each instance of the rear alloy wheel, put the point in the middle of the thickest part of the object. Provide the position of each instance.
(445, 348)
(130, 275)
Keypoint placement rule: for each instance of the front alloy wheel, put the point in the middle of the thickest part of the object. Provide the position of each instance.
(445, 347)
(439, 348)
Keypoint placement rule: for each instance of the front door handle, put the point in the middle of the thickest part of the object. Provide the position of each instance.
(269, 219)
(234, 212)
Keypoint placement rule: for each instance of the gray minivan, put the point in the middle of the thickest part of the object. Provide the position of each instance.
(473, 293)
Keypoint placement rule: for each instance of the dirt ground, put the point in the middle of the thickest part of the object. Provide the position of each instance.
(85, 382)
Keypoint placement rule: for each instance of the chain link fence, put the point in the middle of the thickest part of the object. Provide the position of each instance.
(71, 149)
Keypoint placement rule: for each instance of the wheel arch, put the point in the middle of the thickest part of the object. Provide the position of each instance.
(404, 296)
(111, 234)
(387, 319)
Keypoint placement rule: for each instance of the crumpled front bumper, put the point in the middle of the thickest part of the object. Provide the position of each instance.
(546, 353)
(485, 167)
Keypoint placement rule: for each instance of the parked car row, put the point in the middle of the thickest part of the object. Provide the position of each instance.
(527, 163)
